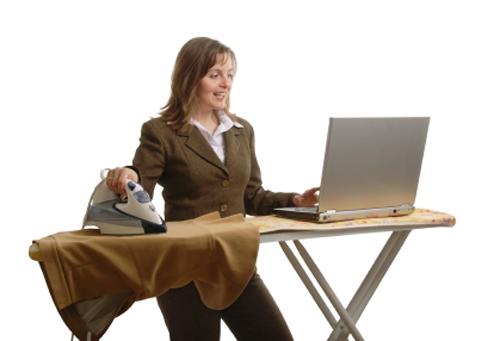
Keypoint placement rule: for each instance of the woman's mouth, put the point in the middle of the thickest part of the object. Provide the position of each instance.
(220, 95)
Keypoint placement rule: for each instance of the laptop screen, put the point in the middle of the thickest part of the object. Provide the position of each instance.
(372, 162)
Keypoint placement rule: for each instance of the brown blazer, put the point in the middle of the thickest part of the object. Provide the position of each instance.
(195, 181)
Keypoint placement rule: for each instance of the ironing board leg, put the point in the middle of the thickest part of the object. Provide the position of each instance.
(309, 285)
(371, 282)
(89, 336)
(344, 315)
(348, 317)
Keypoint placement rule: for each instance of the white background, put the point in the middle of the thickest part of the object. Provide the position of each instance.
(78, 78)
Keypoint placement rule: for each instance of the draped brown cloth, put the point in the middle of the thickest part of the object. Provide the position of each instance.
(93, 278)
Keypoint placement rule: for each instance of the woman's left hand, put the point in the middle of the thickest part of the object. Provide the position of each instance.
(308, 198)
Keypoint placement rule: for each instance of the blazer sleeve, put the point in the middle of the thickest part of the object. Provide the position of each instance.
(149, 157)
(259, 201)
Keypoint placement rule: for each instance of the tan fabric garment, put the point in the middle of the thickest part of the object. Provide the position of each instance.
(94, 278)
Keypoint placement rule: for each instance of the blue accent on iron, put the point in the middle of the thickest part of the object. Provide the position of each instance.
(131, 185)
(150, 227)
(142, 197)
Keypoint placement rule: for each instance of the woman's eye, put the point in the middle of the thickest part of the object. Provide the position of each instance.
(231, 76)
(215, 75)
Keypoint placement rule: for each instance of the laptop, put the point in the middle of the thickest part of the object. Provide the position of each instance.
(371, 169)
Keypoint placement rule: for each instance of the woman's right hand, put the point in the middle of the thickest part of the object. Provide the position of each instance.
(117, 179)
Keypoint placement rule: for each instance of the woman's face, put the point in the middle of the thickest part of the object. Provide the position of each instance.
(213, 89)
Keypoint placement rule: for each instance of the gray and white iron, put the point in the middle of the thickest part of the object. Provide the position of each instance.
(134, 215)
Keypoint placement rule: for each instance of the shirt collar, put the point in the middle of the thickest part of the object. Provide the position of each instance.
(225, 124)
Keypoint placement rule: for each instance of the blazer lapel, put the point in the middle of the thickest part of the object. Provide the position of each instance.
(233, 143)
(198, 144)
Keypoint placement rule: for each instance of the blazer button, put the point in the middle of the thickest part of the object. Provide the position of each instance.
(225, 183)
(223, 208)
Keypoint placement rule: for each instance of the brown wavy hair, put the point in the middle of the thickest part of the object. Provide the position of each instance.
(194, 60)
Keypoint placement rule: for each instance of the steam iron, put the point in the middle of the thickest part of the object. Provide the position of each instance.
(134, 215)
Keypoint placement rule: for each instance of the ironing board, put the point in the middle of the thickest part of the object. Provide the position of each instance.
(276, 229)
(282, 230)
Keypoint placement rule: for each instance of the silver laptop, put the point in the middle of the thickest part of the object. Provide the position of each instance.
(371, 169)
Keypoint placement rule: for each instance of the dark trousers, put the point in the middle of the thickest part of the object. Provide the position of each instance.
(254, 316)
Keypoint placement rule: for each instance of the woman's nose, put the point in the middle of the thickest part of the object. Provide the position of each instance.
(226, 82)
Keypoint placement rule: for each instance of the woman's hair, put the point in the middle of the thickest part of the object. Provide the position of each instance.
(194, 60)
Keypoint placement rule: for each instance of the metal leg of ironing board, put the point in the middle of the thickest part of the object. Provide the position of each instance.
(371, 282)
(347, 320)
(309, 285)
(89, 336)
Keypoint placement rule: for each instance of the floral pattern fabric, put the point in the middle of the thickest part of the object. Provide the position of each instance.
(421, 217)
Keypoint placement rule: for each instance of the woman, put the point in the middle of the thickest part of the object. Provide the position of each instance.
(204, 159)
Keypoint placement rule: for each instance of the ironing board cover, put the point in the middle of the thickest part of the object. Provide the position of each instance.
(217, 254)
(93, 278)
(269, 224)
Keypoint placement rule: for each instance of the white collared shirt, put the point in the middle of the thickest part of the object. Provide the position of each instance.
(217, 139)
